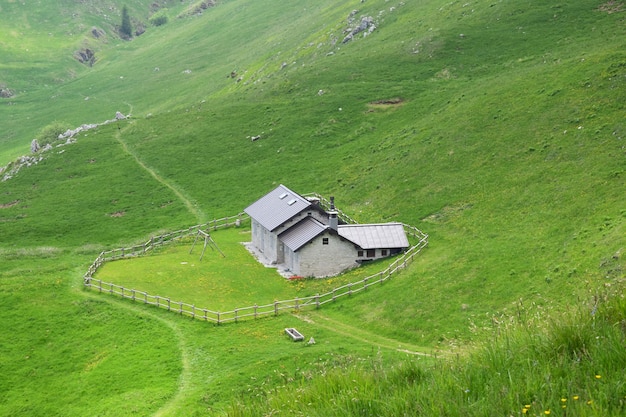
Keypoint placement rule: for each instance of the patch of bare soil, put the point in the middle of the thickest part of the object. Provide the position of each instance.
(9, 205)
(118, 214)
(388, 103)
(611, 6)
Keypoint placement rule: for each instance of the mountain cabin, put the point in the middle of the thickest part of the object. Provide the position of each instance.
(298, 235)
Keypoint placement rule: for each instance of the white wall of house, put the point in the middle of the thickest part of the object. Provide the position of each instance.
(320, 260)
(291, 260)
(266, 242)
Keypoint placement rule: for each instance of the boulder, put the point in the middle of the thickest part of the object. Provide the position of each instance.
(366, 25)
(6, 92)
(34, 146)
(86, 56)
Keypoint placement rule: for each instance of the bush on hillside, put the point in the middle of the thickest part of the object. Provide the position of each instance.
(159, 18)
(50, 133)
(126, 29)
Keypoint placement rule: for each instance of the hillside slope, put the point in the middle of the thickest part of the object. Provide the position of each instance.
(495, 126)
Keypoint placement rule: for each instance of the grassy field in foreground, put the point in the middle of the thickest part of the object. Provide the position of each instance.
(570, 367)
(505, 144)
(102, 355)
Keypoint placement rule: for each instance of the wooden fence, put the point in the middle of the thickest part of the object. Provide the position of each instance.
(255, 311)
(157, 241)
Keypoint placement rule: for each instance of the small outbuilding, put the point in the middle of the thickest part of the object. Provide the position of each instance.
(303, 238)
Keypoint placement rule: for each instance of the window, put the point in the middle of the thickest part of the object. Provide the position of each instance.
(324, 241)
(359, 254)
(383, 252)
(371, 253)
(292, 202)
(283, 195)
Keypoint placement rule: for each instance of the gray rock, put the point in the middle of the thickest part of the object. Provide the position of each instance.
(34, 146)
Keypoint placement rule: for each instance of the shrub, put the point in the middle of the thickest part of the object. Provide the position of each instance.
(126, 29)
(50, 133)
(159, 18)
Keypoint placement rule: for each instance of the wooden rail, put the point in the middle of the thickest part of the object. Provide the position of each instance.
(244, 313)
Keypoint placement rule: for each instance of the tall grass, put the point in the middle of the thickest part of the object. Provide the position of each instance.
(566, 364)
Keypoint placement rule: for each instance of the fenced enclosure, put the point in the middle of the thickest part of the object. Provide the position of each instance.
(249, 312)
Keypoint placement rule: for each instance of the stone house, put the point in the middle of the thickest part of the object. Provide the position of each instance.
(298, 235)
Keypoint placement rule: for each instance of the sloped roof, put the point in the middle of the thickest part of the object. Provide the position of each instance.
(301, 233)
(276, 207)
(375, 236)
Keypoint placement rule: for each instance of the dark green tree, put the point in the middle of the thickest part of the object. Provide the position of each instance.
(126, 30)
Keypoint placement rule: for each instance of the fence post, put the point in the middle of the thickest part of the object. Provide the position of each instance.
(333, 295)
(350, 288)
(158, 303)
(255, 311)
(236, 314)
(122, 291)
(145, 298)
(193, 311)
(169, 306)
(180, 307)
(218, 318)
(365, 282)
(100, 285)
(133, 294)
(297, 306)
(275, 308)
(205, 317)
(317, 300)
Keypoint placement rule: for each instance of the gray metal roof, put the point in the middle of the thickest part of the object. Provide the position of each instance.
(301, 233)
(276, 207)
(375, 236)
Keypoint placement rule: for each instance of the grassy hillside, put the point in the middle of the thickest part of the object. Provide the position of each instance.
(496, 127)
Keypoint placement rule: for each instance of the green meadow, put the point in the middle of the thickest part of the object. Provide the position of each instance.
(497, 127)
(226, 277)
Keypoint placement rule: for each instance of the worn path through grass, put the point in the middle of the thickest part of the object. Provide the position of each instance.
(319, 319)
(191, 206)
(186, 372)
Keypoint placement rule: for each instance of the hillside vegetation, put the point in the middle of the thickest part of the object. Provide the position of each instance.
(497, 127)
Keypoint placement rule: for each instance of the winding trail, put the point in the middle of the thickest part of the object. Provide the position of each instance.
(171, 405)
(363, 335)
(191, 206)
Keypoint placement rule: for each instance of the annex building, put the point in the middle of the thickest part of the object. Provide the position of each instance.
(304, 239)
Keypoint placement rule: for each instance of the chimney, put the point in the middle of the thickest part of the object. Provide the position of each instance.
(333, 222)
